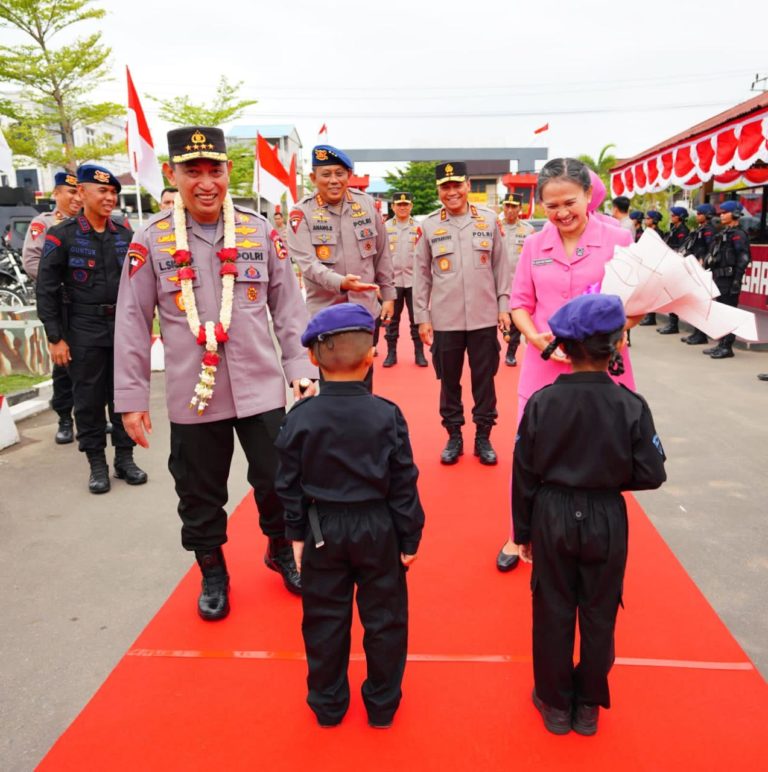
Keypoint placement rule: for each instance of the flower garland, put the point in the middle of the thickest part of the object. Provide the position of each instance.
(209, 334)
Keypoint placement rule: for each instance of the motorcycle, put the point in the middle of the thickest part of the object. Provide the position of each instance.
(16, 288)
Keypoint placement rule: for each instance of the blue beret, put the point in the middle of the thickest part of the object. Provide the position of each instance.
(706, 209)
(636, 215)
(343, 317)
(65, 178)
(680, 211)
(326, 155)
(652, 214)
(98, 175)
(588, 315)
(734, 207)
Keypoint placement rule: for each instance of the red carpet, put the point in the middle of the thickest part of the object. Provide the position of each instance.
(190, 695)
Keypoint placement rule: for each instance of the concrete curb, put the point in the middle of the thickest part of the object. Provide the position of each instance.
(35, 401)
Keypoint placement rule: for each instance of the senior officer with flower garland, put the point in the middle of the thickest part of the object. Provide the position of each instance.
(214, 270)
(339, 242)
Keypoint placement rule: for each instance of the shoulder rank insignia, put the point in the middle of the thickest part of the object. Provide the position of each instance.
(473, 210)
(443, 215)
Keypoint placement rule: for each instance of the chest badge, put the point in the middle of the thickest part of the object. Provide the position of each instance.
(179, 298)
(244, 231)
(579, 251)
(245, 243)
(323, 252)
(483, 259)
(163, 226)
(444, 264)
(440, 232)
(252, 293)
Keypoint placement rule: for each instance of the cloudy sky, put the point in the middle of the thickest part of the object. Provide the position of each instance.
(423, 73)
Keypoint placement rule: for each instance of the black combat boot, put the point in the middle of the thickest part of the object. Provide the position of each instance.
(418, 351)
(279, 557)
(391, 358)
(711, 350)
(213, 602)
(483, 448)
(670, 328)
(98, 482)
(724, 350)
(65, 433)
(126, 469)
(454, 447)
(649, 320)
(697, 338)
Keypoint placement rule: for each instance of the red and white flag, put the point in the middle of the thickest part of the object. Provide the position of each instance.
(541, 129)
(141, 152)
(270, 180)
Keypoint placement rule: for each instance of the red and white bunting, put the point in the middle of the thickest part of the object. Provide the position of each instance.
(732, 147)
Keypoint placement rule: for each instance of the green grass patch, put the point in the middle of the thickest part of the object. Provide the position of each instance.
(19, 382)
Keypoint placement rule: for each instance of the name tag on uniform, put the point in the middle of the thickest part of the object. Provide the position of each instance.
(542, 261)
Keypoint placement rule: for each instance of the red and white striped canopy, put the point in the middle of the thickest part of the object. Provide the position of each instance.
(724, 150)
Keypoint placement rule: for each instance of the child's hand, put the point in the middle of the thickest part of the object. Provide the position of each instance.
(406, 560)
(526, 553)
(298, 551)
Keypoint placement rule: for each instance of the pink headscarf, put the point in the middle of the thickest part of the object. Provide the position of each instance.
(598, 196)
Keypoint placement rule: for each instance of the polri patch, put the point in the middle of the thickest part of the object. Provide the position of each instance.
(280, 248)
(137, 256)
(36, 228)
(295, 218)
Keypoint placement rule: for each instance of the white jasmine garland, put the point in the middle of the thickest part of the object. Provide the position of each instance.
(209, 334)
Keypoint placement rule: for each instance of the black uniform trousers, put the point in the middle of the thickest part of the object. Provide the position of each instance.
(482, 348)
(201, 456)
(92, 373)
(580, 553)
(727, 298)
(61, 399)
(404, 298)
(361, 550)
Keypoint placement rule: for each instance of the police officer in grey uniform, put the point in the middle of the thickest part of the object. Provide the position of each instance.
(461, 283)
(248, 396)
(339, 242)
(515, 231)
(404, 234)
(728, 261)
(68, 203)
(84, 256)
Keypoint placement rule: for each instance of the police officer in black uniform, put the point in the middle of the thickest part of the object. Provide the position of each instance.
(637, 220)
(675, 239)
(728, 261)
(85, 254)
(699, 244)
(652, 220)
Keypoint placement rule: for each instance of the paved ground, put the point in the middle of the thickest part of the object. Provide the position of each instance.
(82, 574)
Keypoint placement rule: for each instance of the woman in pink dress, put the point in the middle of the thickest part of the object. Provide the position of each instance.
(556, 265)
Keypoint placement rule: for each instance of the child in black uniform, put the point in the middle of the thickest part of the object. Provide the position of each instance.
(348, 483)
(581, 441)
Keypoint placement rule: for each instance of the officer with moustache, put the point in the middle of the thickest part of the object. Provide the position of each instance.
(404, 235)
(461, 284)
(68, 203)
(85, 255)
(216, 272)
(728, 261)
(699, 244)
(338, 240)
(515, 233)
(675, 239)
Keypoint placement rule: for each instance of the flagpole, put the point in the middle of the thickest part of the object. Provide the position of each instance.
(258, 178)
(138, 197)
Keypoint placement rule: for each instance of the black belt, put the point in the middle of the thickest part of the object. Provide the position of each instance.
(93, 309)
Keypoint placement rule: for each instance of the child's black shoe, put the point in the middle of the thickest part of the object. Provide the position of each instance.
(556, 720)
(585, 719)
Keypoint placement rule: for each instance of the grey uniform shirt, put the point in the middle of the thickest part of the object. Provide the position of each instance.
(328, 242)
(514, 237)
(461, 275)
(35, 239)
(403, 238)
(249, 378)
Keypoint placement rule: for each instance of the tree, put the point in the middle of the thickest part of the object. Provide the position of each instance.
(603, 165)
(225, 108)
(54, 81)
(418, 179)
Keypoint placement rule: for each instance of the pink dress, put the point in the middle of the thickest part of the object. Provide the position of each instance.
(546, 279)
